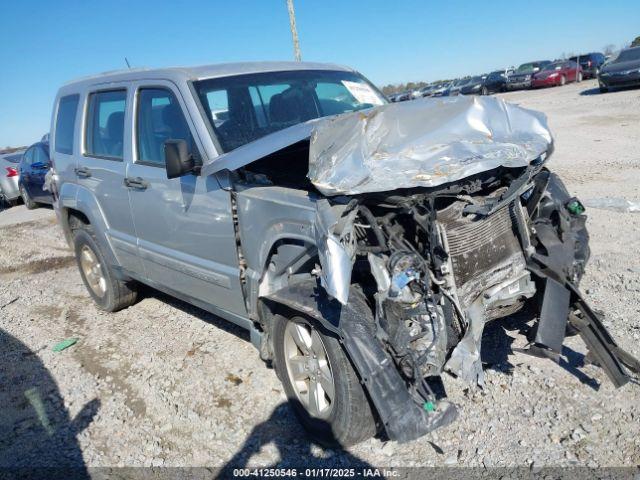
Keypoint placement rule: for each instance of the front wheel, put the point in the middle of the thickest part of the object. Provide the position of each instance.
(579, 77)
(320, 383)
(28, 202)
(485, 91)
(563, 80)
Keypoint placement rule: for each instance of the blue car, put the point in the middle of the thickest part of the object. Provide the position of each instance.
(34, 166)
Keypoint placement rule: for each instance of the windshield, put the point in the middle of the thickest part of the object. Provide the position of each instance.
(526, 67)
(244, 108)
(628, 55)
(552, 66)
(475, 80)
(460, 82)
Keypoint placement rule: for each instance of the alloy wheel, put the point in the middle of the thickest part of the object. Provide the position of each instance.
(92, 270)
(309, 368)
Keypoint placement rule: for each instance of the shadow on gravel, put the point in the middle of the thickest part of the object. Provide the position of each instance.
(294, 447)
(591, 91)
(596, 91)
(148, 292)
(497, 346)
(37, 435)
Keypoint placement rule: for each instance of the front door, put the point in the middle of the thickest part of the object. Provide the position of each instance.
(184, 225)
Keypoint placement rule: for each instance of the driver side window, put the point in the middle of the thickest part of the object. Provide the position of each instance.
(159, 118)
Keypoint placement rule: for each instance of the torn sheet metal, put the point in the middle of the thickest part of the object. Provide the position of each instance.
(335, 241)
(423, 143)
(465, 361)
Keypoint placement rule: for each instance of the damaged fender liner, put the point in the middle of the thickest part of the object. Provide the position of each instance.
(403, 419)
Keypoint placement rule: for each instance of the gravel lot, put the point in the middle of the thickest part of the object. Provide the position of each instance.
(163, 383)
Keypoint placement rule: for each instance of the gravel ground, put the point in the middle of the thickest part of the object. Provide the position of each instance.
(163, 383)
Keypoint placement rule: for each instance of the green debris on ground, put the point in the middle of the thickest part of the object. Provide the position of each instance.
(64, 344)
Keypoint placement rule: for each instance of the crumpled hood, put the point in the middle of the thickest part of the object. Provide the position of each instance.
(423, 143)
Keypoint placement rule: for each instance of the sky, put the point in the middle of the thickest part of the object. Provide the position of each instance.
(44, 44)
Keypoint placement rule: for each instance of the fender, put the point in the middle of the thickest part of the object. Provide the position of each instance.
(403, 419)
(72, 196)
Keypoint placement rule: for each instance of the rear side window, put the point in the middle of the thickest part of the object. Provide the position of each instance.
(159, 118)
(105, 124)
(66, 123)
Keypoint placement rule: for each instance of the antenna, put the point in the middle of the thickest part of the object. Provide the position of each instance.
(127, 62)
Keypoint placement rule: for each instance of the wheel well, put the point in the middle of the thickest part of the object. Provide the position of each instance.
(76, 219)
(71, 220)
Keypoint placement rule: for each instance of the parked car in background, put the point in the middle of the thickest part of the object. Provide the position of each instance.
(521, 78)
(473, 86)
(34, 166)
(9, 175)
(456, 85)
(557, 73)
(402, 96)
(426, 91)
(494, 82)
(621, 71)
(590, 63)
(441, 90)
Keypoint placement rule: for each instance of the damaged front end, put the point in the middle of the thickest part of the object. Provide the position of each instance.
(429, 219)
(436, 264)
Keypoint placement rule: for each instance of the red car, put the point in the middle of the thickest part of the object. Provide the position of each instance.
(557, 73)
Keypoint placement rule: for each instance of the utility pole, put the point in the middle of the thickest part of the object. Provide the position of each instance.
(294, 31)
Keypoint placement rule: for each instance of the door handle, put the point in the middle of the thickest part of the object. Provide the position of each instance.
(136, 182)
(82, 172)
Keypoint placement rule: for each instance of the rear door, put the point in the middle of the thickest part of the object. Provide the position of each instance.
(101, 168)
(185, 229)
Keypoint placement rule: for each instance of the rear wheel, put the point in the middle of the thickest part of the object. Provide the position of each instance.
(579, 77)
(485, 91)
(109, 293)
(603, 89)
(320, 383)
(28, 202)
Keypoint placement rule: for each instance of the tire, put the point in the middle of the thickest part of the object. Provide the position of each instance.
(563, 81)
(579, 77)
(109, 293)
(603, 89)
(349, 418)
(485, 91)
(28, 202)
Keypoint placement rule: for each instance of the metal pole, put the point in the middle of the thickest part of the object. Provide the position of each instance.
(294, 31)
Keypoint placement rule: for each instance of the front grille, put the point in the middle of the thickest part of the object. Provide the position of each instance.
(482, 244)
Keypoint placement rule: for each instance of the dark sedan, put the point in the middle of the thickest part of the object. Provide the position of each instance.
(494, 82)
(473, 86)
(34, 166)
(622, 71)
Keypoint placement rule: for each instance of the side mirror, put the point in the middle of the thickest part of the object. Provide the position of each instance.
(177, 158)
